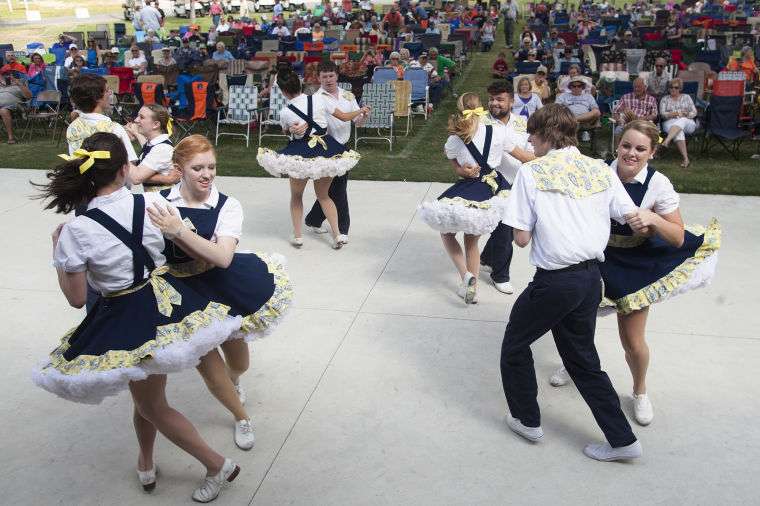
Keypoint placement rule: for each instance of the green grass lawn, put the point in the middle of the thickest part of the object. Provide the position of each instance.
(419, 157)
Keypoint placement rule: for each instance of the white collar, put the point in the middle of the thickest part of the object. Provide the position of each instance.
(158, 139)
(566, 150)
(327, 93)
(102, 200)
(94, 116)
(640, 177)
(175, 196)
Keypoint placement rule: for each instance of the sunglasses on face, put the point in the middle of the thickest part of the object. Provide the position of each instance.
(576, 86)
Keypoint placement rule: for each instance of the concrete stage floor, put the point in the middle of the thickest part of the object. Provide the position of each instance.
(382, 387)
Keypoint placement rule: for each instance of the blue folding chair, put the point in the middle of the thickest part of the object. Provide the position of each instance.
(384, 75)
(420, 88)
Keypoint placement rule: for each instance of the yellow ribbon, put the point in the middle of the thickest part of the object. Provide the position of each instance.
(170, 126)
(90, 156)
(479, 111)
(166, 294)
(490, 180)
(314, 139)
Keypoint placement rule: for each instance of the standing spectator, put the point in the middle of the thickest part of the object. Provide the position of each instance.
(509, 10)
(12, 93)
(500, 68)
(487, 35)
(151, 18)
(216, 12)
(277, 9)
(658, 81)
(64, 41)
(36, 66)
(137, 22)
(635, 105)
(678, 113)
(582, 105)
(12, 65)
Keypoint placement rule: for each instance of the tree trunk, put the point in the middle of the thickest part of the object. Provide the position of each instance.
(192, 12)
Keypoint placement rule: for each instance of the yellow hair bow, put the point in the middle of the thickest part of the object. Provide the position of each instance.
(468, 113)
(170, 126)
(90, 156)
(314, 139)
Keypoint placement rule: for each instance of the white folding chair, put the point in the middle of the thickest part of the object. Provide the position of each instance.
(239, 111)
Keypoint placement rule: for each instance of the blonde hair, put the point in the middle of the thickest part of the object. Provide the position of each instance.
(646, 128)
(190, 146)
(462, 127)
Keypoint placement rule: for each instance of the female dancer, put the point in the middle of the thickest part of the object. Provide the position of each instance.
(474, 204)
(152, 129)
(650, 259)
(200, 249)
(311, 153)
(119, 254)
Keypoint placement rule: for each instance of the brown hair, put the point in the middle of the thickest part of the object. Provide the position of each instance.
(644, 127)
(87, 90)
(523, 80)
(160, 114)
(190, 146)
(462, 127)
(69, 188)
(555, 124)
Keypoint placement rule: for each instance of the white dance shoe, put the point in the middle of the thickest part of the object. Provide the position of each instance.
(643, 411)
(605, 453)
(296, 242)
(532, 434)
(317, 230)
(468, 289)
(505, 287)
(212, 485)
(148, 478)
(244, 438)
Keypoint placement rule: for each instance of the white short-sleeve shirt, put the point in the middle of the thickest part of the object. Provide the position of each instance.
(230, 221)
(85, 245)
(516, 132)
(455, 147)
(339, 130)
(159, 158)
(660, 197)
(321, 109)
(565, 231)
(118, 130)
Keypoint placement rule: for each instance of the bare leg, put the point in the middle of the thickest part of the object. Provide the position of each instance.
(150, 400)
(214, 372)
(146, 438)
(681, 145)
(632, 329)
(5, 114)
(237, 358)
(674, 130)
(472, 254)
(452, 247)
(296, 204)
(322, 188)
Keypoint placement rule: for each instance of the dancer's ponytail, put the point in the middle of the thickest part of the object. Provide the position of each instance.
(464, 123)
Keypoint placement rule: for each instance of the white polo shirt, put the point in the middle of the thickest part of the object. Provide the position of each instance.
(565, 230)
(159, 159)
(660, 197)
(339, 130)
(322, 108)
(455, 148)
(516, 133)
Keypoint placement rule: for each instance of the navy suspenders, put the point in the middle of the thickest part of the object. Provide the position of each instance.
(482, 158)
(318, 130)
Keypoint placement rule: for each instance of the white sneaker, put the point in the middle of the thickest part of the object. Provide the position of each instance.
(643, 411)
(343, 239)
(505, 287)
(241, 393)
(296, 242)
(244, 437)
(148, 478)
(530, 433)
(606, 453)
(585, 136)
(212, 485)
(560, 378)
(469, 288)
(317, 230)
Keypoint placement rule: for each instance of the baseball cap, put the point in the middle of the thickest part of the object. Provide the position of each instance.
(115, 50)
(73, 46)
(541, 68)
(578, 79)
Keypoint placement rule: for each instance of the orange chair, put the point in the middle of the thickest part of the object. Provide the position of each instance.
(349, 47)
(313, 46)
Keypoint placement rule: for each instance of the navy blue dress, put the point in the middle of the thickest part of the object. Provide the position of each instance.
(158, 325)
(254, 286)
(472, 205)
(313, 156)
(639, 271)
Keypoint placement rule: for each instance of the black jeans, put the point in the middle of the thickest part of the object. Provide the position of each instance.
(338, 195)
(566, 303)
(497, 253)
(509, 29)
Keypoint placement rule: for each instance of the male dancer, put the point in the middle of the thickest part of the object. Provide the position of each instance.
(340, 131)
(497, 253)
(563, 201)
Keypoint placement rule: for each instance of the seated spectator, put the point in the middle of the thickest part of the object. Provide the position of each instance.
(187, 57)
(213, 36)
(539, 85)
(317, 34)
(225, 25)
(567, 57)
(76, 66)
(678, 112)
(393, 21)
(526, 102)
(136, 60)
(432, 28)
(151, 38)
(628, 41)
(574, 71)
(173, 40)
(166, 60)
(745, 64)
(394, 61)
(522, 53)
(280, 30)
(221, 53)
(73, 51)
(532, 57)
(193, 35)
(304, 29)
(13, 92)
(372, 59)
(673, 32)
(444, 66)
(551, 42)
(657, 85)
(500, 69)
(12, 65)
(111, 58)
(635, 105)
(582, 105)
(36, 65)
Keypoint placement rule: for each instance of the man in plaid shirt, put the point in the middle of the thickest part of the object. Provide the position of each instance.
(635, 105)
